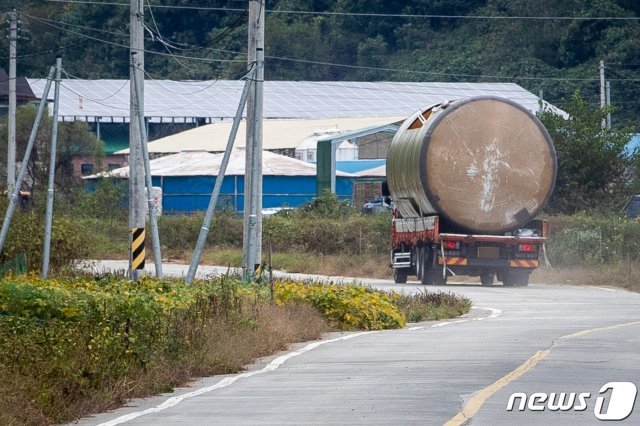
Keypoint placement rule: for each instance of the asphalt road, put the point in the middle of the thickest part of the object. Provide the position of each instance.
(540, 339)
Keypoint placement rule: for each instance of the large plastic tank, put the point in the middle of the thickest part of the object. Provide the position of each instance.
(486, 164)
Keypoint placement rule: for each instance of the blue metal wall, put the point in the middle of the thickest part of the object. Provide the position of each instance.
(187, 194)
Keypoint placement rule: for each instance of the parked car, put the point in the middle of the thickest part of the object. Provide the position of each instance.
(377, 205)
(632, 208)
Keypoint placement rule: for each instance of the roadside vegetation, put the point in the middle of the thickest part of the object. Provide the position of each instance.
(73, 346)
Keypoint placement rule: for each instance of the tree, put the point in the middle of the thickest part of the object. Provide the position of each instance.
(593, 167)
(74, 139)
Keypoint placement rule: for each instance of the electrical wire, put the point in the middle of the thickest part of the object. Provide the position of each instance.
(332, 64)
(162, 40)
(380, 15)
(124, 84)
(152, 52)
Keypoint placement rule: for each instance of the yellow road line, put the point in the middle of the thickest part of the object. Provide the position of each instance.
(475, 403)
(593, 330)
(478, 400)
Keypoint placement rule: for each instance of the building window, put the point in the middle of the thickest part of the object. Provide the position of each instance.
(86, 169)
(311, 156)
(113, 166)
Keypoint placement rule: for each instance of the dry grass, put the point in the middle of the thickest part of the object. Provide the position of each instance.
(372, 265)
(223, 346)
(623, 274)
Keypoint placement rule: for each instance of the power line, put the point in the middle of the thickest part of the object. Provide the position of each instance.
(210, 60)
(500, 77)
(313, 62)
(377, 15)
(168, 45)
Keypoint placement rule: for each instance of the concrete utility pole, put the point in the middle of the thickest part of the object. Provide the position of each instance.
(603, 101)
(52, 173)
(204, 230)
(608, 102)
(252, 231)
(137, 214)
(13, 200)
(153, 215)
(11, 145)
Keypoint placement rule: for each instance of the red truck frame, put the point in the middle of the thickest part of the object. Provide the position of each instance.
(418, 248)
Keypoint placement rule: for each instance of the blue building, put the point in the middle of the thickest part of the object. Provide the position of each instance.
(187, 181)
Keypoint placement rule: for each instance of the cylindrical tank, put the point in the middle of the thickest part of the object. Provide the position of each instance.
(485, 163)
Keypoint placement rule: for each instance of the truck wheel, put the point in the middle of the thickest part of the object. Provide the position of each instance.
(512, 279)
(523, 280)
(419, 263)
(487, 278)
(399, 277)
(438, 279)
(427, 278)
(434, 276)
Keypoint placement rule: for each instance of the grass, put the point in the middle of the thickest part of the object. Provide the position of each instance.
(72, 347)
(69, 359)
(624, 274)
(429, 306)
(307, 263)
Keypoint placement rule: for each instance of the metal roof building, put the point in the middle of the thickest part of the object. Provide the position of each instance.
(277, 134)
(202, 102)
(187, 180)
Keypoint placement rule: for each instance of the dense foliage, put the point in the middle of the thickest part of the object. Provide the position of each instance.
(408, 41)
(346, 307)
(68, 347)
(72, 346)
(74, 139)
(595, 171)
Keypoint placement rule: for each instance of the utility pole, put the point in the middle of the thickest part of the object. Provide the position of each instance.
(52, 173)
(13, 200)
(603, 101)
(153, 216)
(541, 101)
(11, 145)
(137, 214)
(252, 229)
(608, 102)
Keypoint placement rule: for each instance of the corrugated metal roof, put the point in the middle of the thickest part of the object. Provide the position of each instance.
(215, 100)
(199, 163)
(277, 134)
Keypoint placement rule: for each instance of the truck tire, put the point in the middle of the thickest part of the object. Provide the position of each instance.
(434, 276)
(513, 278)
(438, 279)
(419, 263)
(487, 278)
(399, 277)
(425, 266)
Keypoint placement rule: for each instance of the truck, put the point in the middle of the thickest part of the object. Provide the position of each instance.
(468, 178)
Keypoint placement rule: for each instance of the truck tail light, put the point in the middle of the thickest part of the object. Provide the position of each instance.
(452, 245)
(527, 248)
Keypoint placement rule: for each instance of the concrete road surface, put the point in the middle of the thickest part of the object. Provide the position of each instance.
(557, 348)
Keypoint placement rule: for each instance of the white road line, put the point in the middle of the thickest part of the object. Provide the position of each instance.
(607, 289)
(273, 365)
(442, 324)
(414, 328)
(495, 313)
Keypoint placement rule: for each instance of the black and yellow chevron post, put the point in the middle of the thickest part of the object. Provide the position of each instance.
(137, 248)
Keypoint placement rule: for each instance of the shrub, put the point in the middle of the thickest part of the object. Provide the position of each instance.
(346, 307)
(69, 241)
(592, 240)
(425, 306)
(69, 346)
